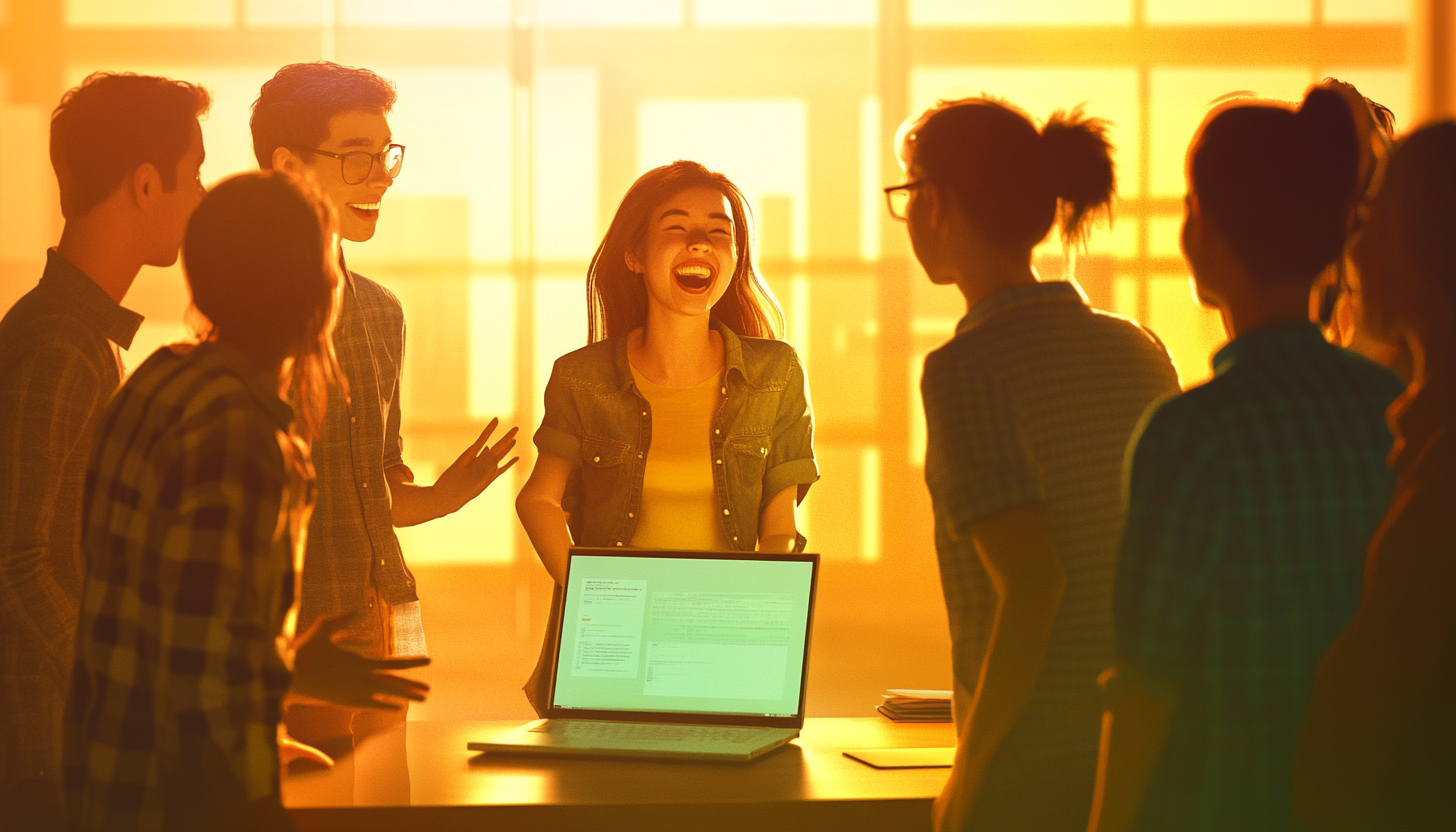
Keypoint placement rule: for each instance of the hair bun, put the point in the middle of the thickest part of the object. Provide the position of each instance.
(1079, 166)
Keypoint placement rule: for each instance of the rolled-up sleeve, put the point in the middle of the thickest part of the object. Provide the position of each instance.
(791, 449)
(560, 431)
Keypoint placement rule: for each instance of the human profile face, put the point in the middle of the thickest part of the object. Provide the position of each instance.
(357, 206)
(689, 254)
(170, 209)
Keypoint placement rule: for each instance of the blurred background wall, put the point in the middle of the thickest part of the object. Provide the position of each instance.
(526, 120)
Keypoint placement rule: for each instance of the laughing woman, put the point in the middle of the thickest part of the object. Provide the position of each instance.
(685, 423)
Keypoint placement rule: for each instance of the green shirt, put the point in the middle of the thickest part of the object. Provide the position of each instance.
(1251, 500)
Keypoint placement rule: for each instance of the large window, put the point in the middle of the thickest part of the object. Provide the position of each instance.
(526, 120)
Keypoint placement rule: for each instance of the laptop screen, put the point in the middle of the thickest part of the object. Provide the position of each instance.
(687, 633)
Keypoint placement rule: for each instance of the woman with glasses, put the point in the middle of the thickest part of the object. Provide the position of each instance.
(1028, 409)
(685, 423)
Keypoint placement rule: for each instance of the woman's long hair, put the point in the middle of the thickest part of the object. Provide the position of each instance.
(616, 297)
(260, 261)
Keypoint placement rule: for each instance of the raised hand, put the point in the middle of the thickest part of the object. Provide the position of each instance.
(325, 670)
(475, 469)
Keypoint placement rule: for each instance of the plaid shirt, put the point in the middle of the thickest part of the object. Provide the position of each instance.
(1034, 401)
(58, 368)
(351, 540)
(196, 504)
(1251, 499)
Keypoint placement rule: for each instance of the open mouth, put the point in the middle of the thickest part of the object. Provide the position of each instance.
(364, 210)
(693, 277)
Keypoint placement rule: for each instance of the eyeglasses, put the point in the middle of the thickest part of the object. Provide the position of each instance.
(355, 167)
(898, 197)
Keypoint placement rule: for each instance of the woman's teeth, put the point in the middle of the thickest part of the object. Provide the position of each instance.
(366, 207)
(694, 278)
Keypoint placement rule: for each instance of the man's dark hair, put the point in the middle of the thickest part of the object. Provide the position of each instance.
(1280, 184)
(112, 124)
(295, 105)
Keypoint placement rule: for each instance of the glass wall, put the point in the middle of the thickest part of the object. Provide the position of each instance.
(526, 121)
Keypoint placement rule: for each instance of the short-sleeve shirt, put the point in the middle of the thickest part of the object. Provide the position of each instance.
(1251, 500)
(351, 541)
(1034, 400)
(197, 498)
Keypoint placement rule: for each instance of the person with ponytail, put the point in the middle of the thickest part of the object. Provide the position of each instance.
(197, 504)
(1374, 751)
(684, 423)
(1250, 498)
(1028, 411)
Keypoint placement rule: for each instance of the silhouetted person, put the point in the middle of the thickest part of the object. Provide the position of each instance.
(685, 423)
(1028, 412)
(331, 121)
(1378, 747)
(1250, 497)
(126, 150)
(1336, 300)
(198, 498)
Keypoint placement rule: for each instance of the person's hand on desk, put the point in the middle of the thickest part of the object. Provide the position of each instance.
(325, 669)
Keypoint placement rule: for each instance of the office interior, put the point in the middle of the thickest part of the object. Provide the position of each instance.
(526, 120)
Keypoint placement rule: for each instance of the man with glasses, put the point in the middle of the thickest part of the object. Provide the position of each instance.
(331, 122)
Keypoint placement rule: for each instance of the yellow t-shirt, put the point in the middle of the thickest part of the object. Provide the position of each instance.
(679, 500)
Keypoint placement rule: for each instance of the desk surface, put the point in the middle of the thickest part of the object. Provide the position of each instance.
(807, 785)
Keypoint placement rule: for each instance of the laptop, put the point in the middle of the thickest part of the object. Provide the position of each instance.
(676, 655)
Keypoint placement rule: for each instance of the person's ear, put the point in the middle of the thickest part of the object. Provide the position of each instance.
(286, 160)
(935, 205)
(633, 264)
(146, 184)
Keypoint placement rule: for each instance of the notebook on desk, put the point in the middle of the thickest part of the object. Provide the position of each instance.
(676, 655)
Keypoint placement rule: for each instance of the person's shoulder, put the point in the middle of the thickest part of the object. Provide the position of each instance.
(591, 363)
(1190, 417)
(1370, 377)
(769, 362)
(374, 296)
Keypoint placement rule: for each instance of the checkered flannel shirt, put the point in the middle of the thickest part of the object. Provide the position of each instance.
(196, 505)
(58, 368)
(351, 541)
(1251, 500)
(1034, 401)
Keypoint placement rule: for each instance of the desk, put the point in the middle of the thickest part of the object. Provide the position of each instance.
(807, 785)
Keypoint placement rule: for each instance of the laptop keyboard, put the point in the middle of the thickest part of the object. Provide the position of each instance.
(578, 731)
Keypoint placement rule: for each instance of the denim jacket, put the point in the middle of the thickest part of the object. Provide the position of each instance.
(597, 419)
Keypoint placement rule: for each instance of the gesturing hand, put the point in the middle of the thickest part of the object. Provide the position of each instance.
(324, 669)
(474, 469)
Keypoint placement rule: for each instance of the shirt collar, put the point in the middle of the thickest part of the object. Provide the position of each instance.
(86, 299)
(732, 354)
(1020, 295)
(1421, 413)
(1272, 339)
(260, 383)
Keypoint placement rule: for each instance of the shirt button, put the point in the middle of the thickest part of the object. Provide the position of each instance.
(381, 560)
(352, 420)
(735, 538)
(725, 511)
(716, 431)
(644, 413)
(720, 462)
(763, 450)
(630, 514)
(366, 485)
(596, 459)
(619, 543)
(725, 391)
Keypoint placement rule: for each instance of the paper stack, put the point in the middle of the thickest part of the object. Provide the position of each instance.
(903, 705)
